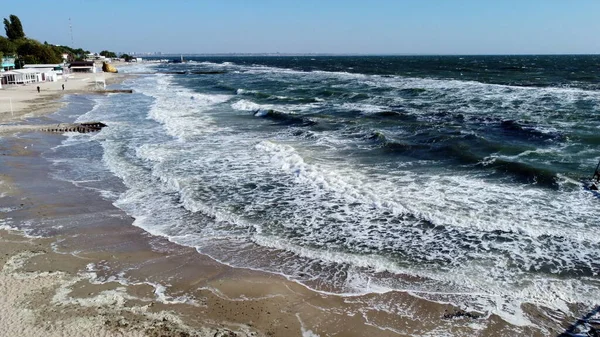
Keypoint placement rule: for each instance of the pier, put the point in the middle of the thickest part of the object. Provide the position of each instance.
(55, 128)
(99, 92)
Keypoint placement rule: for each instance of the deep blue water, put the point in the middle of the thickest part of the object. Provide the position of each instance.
(358, 174)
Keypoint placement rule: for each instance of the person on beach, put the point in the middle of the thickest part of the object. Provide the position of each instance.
(63, 86)
(38, 88)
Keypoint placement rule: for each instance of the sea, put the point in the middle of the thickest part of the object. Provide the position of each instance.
(456, 179)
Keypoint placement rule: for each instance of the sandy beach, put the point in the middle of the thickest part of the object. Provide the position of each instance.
(72, 264)
(25, 102)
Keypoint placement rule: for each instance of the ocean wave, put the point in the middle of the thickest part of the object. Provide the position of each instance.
(395, 80)
(469, 150)
(245, 105)
(182, 111)
(530, 132)
(393, 115)
(472, 98)
(335, 209)
(285, 118)
(279, 98)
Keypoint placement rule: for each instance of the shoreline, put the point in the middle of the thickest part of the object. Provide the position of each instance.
(135, 270)
(28, 103)
(87, 249)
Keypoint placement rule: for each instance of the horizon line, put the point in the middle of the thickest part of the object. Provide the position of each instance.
(154, 54)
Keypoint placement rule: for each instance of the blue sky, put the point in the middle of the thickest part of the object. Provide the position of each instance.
(311, 26)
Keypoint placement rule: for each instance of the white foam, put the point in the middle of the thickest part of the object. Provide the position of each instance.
(139, 68)
(528, 211)
(427, 200)
(364, 108)
(431, 197)
(245, 91)
(160, 290)
(245, 105)
(17, 261)
(347, 216)
(305, 332)
(181, 110)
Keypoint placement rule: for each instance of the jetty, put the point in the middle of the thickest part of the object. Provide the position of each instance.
(55, 128)
(99, 92)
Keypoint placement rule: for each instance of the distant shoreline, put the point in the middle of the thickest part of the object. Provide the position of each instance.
(169, 55)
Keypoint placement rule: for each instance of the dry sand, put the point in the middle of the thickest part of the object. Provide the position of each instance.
(27, 102)
(94, 274)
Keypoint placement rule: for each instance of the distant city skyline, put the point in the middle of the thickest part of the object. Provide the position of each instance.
(317, 27)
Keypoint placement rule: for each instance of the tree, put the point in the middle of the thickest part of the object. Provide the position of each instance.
(108, 54)
(79, 53)
(13, 28)
(7, 47)
(126, 57)
(31, 51)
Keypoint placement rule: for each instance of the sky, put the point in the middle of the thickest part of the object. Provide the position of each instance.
(317, 26)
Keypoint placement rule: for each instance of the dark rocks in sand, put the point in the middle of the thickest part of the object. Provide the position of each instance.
(112, 91)
(225, 333)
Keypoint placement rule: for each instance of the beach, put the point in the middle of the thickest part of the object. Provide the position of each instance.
(26, 102)
(76, 262)
(84, 270)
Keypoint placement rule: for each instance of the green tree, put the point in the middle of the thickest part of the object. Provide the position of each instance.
(126, 57)
(79, 53)
(7, 47)
(19, 63)
(31, 51)
(60, 50)
(108, 54)
(13, 28)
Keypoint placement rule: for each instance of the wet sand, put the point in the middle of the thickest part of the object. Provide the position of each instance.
(85, 270)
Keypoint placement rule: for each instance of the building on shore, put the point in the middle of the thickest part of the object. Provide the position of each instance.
(58, 68)
(20, 76)
(29, 75)
(8, 63)
(48, 74)
(83, 66)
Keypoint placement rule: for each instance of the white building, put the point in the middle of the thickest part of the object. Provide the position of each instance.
(49, 75)
(30, 75)
(57, 68)
(21, 76)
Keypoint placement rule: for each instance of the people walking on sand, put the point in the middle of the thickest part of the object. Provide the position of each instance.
(63, 86)
(38, 88)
